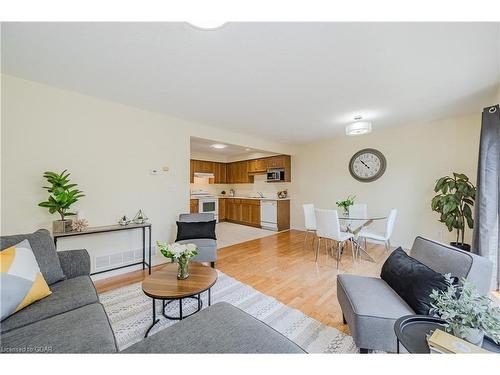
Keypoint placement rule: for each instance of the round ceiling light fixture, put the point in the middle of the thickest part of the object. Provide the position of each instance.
(207, 24)
(219, 146)
(358, 127)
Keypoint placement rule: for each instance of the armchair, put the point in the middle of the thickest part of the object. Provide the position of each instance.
(207, 247)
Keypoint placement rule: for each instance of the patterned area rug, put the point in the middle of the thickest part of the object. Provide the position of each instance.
(129, 311)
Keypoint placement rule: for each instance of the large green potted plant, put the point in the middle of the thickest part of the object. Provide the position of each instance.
(454, 203)
(62, 195)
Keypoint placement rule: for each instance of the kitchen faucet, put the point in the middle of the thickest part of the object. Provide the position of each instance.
(260, 194)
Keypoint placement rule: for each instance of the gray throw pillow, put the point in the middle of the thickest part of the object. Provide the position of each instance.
(45, 253)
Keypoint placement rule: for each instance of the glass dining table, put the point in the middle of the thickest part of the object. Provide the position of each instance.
(354, 224)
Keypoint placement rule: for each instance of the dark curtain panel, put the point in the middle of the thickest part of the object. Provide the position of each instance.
(486, 237)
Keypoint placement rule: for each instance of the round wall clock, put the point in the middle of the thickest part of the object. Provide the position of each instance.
(367, 165)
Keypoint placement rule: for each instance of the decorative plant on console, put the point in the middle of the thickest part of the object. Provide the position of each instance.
(180, 253)
(454, 203)
(344, 204)
(62, 195)
(468, 314)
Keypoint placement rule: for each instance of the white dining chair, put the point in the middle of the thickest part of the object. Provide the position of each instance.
(381, 237)
(328, 228)
(309, 221)
(358, 210)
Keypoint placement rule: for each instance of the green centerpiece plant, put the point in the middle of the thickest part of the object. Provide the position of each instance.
(454, 203)
(344, 204)
(468, 314)
(180, 253)
(62, 195)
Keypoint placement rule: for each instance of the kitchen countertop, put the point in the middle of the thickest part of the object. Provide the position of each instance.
(256, 198)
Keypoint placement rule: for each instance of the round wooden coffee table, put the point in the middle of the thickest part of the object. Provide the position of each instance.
(163, 285)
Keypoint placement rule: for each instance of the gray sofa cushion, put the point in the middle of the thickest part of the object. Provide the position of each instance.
(45, 253)
(84, 330)
(371, 307)
(220, 328)
(66, 295)
(443, 258)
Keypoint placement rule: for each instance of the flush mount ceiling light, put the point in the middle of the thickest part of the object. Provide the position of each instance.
(207, 24)
(358, 127)
(218, 146)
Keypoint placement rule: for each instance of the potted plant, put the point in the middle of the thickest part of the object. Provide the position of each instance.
(468, 314)
(454, 203)
(180, 253)
(62, 195)
(344, 204)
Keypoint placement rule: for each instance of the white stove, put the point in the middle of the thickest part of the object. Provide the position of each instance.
(207, 203)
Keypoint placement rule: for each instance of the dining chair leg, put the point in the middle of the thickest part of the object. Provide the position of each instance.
(317, 248)
(388, 245)
(353, 250)
(305, 239)
(366, 248)
(339, 253)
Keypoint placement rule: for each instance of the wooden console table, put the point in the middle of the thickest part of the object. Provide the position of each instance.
(115, 228)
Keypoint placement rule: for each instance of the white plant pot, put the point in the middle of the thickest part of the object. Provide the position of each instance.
(473, 335)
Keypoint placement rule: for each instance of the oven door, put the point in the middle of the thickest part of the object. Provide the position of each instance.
(208, 206)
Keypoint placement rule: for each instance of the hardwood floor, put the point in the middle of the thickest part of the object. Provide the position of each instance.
(279, 266)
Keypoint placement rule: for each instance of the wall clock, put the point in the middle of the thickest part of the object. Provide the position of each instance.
(367, 165)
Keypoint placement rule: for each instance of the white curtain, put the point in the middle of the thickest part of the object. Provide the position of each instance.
(486, 238)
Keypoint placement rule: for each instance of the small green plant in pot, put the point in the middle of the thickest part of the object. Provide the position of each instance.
(468, 314)
(344, 204)
(62, 195)
(454, 203)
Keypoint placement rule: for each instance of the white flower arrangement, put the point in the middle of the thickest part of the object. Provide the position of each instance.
(176, 251)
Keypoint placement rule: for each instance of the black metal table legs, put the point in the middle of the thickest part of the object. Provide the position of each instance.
(154, 319)
(181, 316)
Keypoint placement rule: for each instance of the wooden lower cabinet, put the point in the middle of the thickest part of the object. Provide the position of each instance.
(193, 206)
(222, 209)
(242, 211)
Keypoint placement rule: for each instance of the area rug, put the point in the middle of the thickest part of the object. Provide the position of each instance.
(129, 311)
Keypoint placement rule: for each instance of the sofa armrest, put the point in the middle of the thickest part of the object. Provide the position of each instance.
(74, 262)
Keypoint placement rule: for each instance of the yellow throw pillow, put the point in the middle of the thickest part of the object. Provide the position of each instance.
(21, 281)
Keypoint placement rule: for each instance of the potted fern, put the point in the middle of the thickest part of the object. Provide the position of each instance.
(62, 195)
(454, 203)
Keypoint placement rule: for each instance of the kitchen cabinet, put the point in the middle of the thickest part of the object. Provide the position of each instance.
(243, 211)
(240, 172)
(203, 166)
(222, 209)
(237, 173)
(219, 173)
(257, 166)
(193, 206)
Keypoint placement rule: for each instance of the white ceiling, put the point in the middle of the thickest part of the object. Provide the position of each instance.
(289, 82)
(204, 146)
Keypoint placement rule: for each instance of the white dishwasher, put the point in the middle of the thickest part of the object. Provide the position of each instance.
(269, 215)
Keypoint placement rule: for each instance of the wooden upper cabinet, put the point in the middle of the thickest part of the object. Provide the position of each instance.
(220, 173)
(240, 172)
(257, 166)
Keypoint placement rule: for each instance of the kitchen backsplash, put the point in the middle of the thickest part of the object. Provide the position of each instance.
(269, 189)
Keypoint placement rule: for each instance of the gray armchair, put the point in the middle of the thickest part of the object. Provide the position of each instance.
(207, 247)
(371, 307)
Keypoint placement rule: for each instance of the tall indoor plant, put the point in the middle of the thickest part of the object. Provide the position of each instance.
(454, 203)
(62, 195)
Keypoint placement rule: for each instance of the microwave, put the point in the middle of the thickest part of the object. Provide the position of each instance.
(275, 174)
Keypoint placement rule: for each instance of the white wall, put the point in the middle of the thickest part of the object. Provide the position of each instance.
(109, 149)
(417, 155)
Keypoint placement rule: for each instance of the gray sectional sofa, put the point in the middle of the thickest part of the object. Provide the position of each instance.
(371, 307)
(71, 319)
